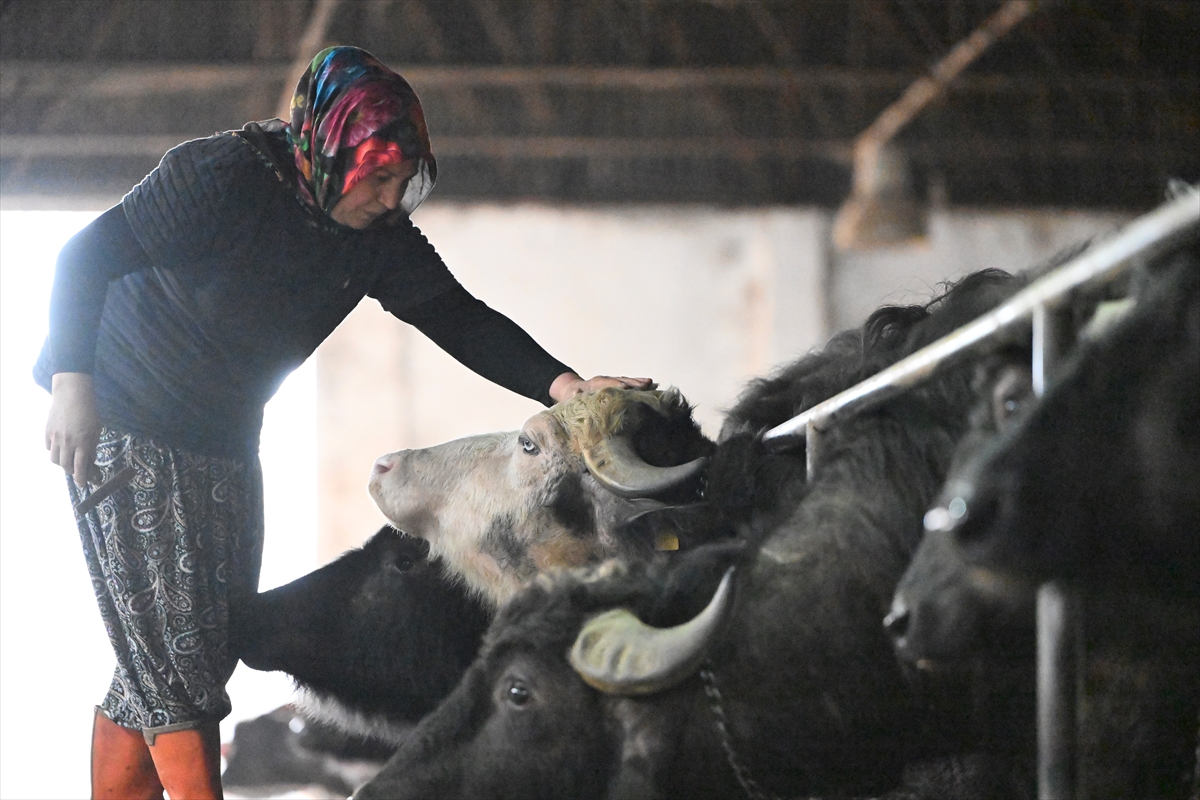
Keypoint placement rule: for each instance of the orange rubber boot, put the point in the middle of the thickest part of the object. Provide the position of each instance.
(121, 765)
(189, 762)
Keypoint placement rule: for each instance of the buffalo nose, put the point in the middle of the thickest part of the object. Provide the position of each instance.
(896, 622)
(382, 464)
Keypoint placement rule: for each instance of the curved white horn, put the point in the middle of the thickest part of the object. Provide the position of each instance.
(617, 653)
(618, 468)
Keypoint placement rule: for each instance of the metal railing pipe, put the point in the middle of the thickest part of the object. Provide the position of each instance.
(1143, 238)
(1060, 651)
(1059, 658)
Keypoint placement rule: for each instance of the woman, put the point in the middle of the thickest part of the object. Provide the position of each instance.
(174, 317)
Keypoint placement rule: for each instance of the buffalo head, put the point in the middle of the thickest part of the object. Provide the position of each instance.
(501, 507)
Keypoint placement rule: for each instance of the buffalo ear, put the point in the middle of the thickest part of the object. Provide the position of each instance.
(690, 525)
(617, 653)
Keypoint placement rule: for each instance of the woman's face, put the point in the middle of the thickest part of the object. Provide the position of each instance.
(373, 196)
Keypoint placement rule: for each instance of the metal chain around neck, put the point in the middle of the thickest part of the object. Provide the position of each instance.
(716, 704)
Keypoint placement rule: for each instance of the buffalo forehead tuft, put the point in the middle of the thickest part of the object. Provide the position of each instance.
(589, 417)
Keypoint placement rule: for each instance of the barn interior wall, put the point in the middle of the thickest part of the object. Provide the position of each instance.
(698, 298)
(957, 242)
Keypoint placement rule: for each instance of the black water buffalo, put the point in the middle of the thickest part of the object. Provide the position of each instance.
(956, 616)
(970, 640)
(1098, 483)
(500, 507)
(946, 610)
(376, 638)
(785, 684)
(285, 751)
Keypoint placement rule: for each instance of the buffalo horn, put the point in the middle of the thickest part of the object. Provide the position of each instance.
(617, 653)
(614, 463)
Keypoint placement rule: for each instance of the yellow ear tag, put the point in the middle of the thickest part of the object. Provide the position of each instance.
(666, 541)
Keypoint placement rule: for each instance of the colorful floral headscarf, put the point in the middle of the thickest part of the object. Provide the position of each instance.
(350, 115)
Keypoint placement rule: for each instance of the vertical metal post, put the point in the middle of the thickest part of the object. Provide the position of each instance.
(812, 439)
(1059, 650)
(1056, 662)
(1050, 339)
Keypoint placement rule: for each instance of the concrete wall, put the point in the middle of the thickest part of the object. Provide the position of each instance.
(958, 242)
(699, 298)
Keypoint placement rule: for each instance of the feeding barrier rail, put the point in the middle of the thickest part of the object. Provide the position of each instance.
(1036, 305)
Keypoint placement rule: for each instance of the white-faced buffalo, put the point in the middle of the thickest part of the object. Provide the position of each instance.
(376, 638)
(498, 508)
(785, 684)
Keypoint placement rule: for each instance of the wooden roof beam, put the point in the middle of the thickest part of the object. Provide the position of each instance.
(311, 42)
(965, 150)
(538, 108)
(36, 78)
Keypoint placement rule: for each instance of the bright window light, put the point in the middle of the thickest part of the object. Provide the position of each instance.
(55, 661)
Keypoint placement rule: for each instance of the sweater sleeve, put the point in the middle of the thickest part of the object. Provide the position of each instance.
(487, 342)
(100, 253)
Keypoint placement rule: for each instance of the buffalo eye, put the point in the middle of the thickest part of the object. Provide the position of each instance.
(518, 694)
(1011, 390)
(401, 564)
(527, 446)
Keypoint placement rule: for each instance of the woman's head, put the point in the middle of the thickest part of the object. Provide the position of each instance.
(358, 136)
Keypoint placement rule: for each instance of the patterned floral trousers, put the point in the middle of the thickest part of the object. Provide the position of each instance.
(165, 554)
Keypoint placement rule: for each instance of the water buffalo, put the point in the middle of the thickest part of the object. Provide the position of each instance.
(959, 616)
(785, 684)
(285, 751)
(380, 635)
(376, 638)
(498, 508)
(945, 610)
(1098, 483)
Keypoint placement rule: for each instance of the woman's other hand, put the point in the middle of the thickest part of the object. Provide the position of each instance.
(73, 428)
(569, 384)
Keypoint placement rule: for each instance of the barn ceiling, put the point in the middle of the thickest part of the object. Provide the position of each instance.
(738, 102)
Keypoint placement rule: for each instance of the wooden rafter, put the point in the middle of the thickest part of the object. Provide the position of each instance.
(41, 79)
(310, 43)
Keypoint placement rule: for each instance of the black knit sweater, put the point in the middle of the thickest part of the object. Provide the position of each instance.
(192, 300)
